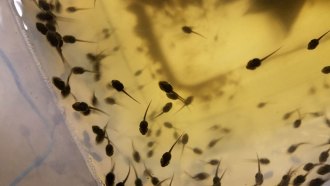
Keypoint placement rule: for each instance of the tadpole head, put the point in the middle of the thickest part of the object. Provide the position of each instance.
(138, 182)
(136, 156)
(66, 91)
(167, 107)
(313, 44)
(154, 180)
(110, 178)
(184, 139)
(76, 106)
(165, 160)
(69, 39)
(109, 149)
(326, 70)
(253, 64)
(54, 38)
(297, 123)
(97, 130)
(143, 127)
(80, 106)
(58, 83)
(78, 70)
(99, 138)
(187, 29)
(117, 85)
(41, 28)
(44, 5)
(216, 180)
(172, 95)
(86, 112)
(165, 86)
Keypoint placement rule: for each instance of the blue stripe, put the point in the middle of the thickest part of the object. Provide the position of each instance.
(39, 159)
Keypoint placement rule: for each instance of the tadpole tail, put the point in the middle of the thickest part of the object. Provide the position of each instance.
(84, 8)
(147, 170)
(74, 97)
(188, 174)
(107, 126)
(158, 115)
(145, 113)
(90, 71)
(179, 109)
(323, 144)
(182, 152)
(113, 167)
(223, 174)
(133, 146)
(160, 183)
(59, 51)
(135, 172)
(258, 163)
(129, 171)
(85, 41)
(171, 180)
(130, 96)
(175, 143)
(270, 54)
(323, 35)
(217, 170)
(65, 19)
(93, 108)
(68, 78)
(199, 34)
(301, 143)
(181, 99)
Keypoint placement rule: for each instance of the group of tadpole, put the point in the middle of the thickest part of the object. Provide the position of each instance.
(300, 179)
(290, 179)
(47, 23)
(256, 62)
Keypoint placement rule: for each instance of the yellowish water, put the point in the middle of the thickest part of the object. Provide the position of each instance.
(147, 35)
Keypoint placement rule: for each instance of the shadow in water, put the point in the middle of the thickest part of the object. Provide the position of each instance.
(283, 11)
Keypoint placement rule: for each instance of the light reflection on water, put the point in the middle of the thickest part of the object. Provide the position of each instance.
(212, 69)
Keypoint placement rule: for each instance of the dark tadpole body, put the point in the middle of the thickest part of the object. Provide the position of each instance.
(216, 178)
(73, 9)
(286, 178)
(166, 158)
(199, 176)
(259, 177)
(116, 84)
(309, 166)
(256, 62)
(71, 39)
(299, 180)
(143, 127)
(294, 147)
(189, 30)
(315, 42)
(165, 86)
(136, 154)
(323, 170)
(110, 177)
(323, 157)
(166, 108)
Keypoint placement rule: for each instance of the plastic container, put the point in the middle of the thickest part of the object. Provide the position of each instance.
(240, 111)
(37, 147)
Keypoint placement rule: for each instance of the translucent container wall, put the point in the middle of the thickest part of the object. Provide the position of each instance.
(232, 110)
